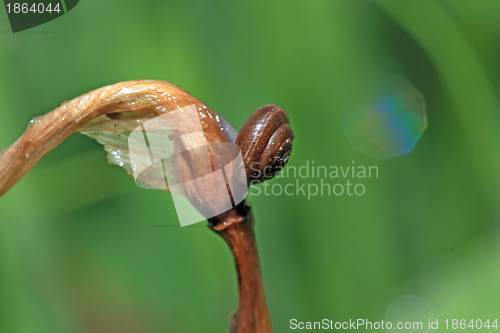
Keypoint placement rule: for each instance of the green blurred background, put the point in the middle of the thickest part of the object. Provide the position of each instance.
(83, 249)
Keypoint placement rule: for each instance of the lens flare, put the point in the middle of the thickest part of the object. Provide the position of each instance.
(386, 119)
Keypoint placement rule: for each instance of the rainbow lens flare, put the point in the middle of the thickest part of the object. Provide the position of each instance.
(386, 119)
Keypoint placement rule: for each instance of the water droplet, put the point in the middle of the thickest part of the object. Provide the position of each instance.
(34, 121)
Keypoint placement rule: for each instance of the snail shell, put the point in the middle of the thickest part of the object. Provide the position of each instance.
(265, 141)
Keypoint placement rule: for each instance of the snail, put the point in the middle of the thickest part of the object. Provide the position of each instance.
(204, 143)
(265, 140)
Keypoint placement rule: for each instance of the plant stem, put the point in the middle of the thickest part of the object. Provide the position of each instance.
(236, 227)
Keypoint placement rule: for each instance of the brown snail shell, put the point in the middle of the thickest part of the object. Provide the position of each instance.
(265, 141)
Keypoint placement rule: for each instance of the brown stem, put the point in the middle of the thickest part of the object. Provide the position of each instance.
(236, 227)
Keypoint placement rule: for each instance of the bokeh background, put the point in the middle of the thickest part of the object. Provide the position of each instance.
(83, 249)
